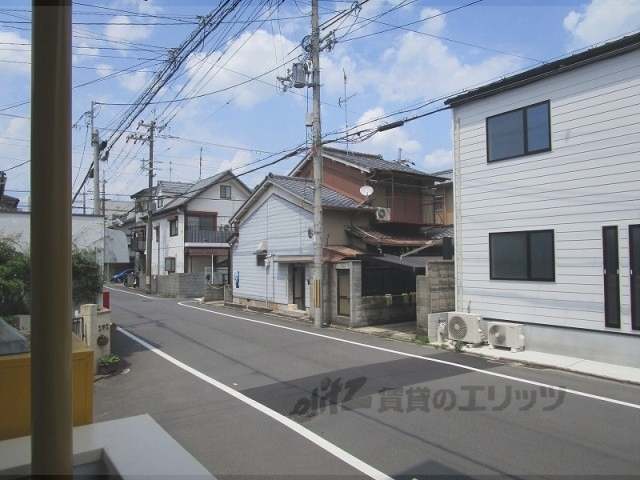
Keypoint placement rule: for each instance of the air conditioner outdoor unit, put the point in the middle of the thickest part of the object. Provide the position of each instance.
(383, 214)
(507, 335)
(465, 327)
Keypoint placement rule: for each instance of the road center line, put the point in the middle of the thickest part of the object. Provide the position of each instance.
(287, 422)
(428, 359)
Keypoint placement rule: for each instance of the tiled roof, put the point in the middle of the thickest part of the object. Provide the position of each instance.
(375, 237)
(303, 188)
(173, 188)
(368, 161)
(437, 233)
(192, 191)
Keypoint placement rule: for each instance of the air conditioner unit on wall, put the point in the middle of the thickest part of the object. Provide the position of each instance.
(465, 327)
(383, 214)
(507, 335)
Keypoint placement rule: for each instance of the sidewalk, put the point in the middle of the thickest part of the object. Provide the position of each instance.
(407, 332)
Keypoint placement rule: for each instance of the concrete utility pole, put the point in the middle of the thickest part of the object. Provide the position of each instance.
(318, 294)
(95, 143)
(151, 126)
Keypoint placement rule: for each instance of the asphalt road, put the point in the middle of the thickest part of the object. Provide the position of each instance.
(257, 396)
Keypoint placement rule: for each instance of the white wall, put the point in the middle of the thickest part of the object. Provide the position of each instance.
(282, 224)
(590, 179)
(87, 231)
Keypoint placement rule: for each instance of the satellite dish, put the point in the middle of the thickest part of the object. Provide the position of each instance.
(366, 190)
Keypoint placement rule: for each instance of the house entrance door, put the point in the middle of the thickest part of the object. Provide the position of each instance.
(298, 286)
(344, 293)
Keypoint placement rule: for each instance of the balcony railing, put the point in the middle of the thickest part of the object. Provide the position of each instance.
(206, 235)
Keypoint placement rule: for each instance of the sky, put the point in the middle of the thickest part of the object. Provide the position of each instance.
(217, 94)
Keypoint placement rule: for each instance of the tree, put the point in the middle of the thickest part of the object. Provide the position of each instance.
(87, 276)
(15, 277)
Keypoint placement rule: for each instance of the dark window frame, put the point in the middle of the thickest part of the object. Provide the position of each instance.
(261, 259)
(634, 275)
(525, 133)
(529, 277)
(225, 191)
(173, 227)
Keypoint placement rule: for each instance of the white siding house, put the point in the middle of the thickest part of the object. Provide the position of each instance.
(547, 203)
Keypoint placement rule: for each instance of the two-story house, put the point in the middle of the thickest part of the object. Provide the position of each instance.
(546, 175)
(191, 225)
(363, 241)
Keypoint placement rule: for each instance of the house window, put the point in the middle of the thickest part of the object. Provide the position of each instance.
(260, 259)
(522, 256)
(519, 132)
(170, 264)
(173, 227)
(157, 229)
(225, 191)
(160, 202)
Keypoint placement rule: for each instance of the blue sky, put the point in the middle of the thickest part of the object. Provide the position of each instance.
(400, 59)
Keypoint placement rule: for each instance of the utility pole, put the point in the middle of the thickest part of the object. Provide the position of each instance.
(297, 78)
(95, 143)
(318, 293)
(98, 146)
(151, 126)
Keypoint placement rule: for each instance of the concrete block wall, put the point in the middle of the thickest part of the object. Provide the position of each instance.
(182, 285)
(377, 311)
(435, 292)
(214, 293)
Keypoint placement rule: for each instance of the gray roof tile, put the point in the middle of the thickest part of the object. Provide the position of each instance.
(303, 188)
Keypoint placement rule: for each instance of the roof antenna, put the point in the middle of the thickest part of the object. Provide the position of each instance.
(340, 102)
(200, 174)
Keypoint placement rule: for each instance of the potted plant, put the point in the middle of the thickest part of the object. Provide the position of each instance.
(108, 363)
(102, 340)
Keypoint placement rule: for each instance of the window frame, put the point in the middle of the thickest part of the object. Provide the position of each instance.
(173, 227)
(493, 275)
(525, 134)
(224, 189)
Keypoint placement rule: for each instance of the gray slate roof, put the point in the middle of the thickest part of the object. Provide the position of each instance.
(303, 188)
(368, 161)
(192, 191)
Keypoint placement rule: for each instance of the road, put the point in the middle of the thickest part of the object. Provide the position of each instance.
(256, 396)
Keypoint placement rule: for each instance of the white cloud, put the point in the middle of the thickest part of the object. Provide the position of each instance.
(133, 81)
(104, 69)
(437, 161)
(420, 65)
(16, 54)
(602, 20)
(243, 74)
(120, 29)
(387, 142)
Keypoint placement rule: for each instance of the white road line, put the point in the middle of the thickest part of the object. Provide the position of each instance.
(428, 359)
(128, 293)
(287, 422)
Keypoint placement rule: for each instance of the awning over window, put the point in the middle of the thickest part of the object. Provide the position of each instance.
(293, 259)
(331, 254)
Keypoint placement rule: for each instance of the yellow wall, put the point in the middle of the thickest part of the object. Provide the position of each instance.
(15, 391)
